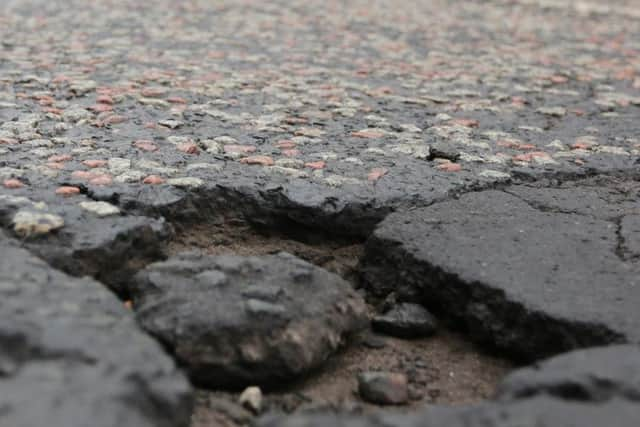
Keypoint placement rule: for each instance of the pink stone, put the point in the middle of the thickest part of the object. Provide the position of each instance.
(145, 145)
(258, 160)
(320, 164)
(67, 191)
(101, 180)
(60, 158)
(94, 163)
(368, 133)
(12, 183)
(450, 167)
(82, 175)
(189, 148)
(153, 179)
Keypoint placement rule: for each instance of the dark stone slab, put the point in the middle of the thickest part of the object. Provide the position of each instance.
(383, 388)
(72, 355)
(526, 270)
(236, 321)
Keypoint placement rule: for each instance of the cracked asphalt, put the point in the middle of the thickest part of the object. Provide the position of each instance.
(485, 154)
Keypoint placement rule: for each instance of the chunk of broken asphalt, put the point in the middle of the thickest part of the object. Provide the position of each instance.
(405, 320)
(236, 321)
(383, 388)
(531, 272)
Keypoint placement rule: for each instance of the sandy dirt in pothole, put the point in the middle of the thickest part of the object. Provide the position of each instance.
(444, 369)
(441, 369)
(340, 257)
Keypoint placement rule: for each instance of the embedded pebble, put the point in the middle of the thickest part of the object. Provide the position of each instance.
(31, 223)
(101, 209)
(186, 182)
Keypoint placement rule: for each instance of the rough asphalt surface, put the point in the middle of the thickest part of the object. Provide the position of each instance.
(488, 153)
(71, 354)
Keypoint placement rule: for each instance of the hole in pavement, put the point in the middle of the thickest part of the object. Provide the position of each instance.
(237, 237)
(445, 368)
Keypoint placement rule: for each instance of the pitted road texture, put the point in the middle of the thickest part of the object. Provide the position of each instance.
(486, 152)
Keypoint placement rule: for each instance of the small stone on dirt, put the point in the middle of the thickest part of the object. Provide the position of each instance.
(383, 388)
(406, 321)
(251, 399)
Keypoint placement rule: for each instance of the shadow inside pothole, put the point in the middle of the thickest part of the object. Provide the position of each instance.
(236, 237)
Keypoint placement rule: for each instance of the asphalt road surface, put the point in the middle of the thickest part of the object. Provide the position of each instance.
(470, 167)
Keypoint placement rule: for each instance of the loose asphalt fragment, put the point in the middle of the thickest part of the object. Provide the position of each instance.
(238, 321)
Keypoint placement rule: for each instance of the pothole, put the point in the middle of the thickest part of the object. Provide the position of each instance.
(236, 237)
(444, 369)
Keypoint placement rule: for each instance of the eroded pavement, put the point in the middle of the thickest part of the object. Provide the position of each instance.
(478, 158)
